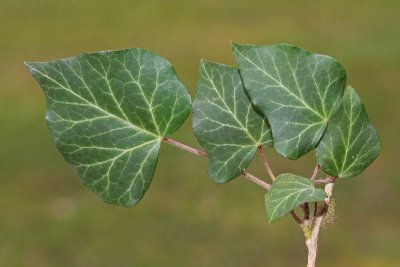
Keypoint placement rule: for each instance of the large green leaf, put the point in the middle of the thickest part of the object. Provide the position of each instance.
(225, 122)
(108, 113)
(296, 89)
(350, 143)
(288, 192)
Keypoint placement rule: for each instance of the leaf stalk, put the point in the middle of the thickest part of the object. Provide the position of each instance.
(266, 162)
(203, 154)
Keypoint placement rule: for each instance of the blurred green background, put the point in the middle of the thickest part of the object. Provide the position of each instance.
(49, 219)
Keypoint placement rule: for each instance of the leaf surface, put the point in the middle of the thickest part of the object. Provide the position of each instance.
(108, 112)
(297, 90)
(225, 122)
(350, 143)
(288, 192)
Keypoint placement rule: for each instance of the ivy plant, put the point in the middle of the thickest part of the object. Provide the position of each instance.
(109, 112)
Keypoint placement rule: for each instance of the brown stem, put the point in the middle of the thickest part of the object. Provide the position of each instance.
(315, 172)
(186, 148)
(306, 210)
(266, 162)
(203, 154)
(256, 180)
(295, 217)
(327, 180)
(314, 217)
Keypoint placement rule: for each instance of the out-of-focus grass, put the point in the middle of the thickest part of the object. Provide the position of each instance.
(49, 219)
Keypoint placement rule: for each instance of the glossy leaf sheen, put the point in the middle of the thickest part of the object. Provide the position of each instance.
(225, 122)
(297, 90)
(288, 192)
(108, 112)
(350, 143)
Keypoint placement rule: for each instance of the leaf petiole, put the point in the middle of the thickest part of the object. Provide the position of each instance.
(203, 154)
(266, 162)
(327, 180)
(315, 172)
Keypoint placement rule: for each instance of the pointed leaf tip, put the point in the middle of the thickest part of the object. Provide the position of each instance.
(28, 65)
(234, 44)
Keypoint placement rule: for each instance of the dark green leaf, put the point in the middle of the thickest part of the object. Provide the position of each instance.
(225, 122)
(350, 143)
(108, 113)
(296, 90)
(288, 192)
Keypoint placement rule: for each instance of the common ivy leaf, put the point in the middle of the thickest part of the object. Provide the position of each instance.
(297, 90)
(350, 143)
(288, 192)
(108, 112)
(225, 122)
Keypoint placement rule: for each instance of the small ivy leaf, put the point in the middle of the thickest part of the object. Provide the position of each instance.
(297, 90)
(225, 122)
(350, 143)
(288, 192)
(108, 112)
